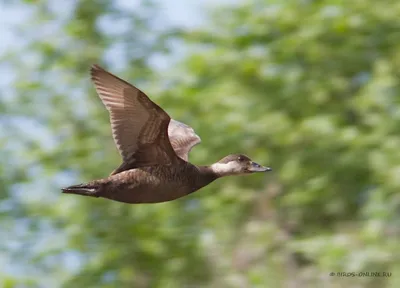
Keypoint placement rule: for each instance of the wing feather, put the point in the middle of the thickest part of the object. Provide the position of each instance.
(139, 126)
(182, 138)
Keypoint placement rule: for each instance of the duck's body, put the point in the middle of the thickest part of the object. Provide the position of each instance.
(154, 149)
(154, 184)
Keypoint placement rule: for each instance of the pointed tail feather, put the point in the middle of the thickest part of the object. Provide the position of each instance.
(81, 189)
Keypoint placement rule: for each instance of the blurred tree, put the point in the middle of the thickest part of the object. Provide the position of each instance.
(56, 129)
(310, 88)
(316, 84)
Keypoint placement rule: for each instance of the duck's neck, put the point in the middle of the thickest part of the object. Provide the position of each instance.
(206, 175)
(224, 169)
(216, 170)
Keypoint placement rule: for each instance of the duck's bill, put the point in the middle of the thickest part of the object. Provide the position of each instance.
(254, 167)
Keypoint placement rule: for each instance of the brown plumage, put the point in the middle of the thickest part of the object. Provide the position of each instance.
(154, 150)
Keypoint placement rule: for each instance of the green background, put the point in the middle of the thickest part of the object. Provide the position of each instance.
(309, 88)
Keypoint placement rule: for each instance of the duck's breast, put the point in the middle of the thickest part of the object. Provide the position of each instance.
(147, 185)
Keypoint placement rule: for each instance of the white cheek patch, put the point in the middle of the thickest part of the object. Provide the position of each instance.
(227, 168)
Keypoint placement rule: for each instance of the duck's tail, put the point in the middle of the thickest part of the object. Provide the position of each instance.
(88, 189)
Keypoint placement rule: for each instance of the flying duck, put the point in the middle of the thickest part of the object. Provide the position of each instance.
(154, 150)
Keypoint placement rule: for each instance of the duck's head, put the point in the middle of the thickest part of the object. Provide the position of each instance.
(237, 164)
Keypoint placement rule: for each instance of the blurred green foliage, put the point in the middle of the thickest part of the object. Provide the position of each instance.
(310, 88)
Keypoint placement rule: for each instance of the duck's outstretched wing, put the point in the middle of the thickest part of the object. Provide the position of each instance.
(139, 126)
(182, 138)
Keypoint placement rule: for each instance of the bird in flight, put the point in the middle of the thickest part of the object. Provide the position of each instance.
(154, 150)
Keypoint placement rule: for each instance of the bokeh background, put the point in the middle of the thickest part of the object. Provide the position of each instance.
(310, 88)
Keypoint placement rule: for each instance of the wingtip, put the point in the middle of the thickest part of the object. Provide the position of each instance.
(95, 70)
(95, 67)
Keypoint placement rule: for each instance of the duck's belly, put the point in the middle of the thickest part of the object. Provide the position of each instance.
(145, 185)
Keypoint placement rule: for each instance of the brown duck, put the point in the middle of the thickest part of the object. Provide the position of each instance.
(154, 150)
